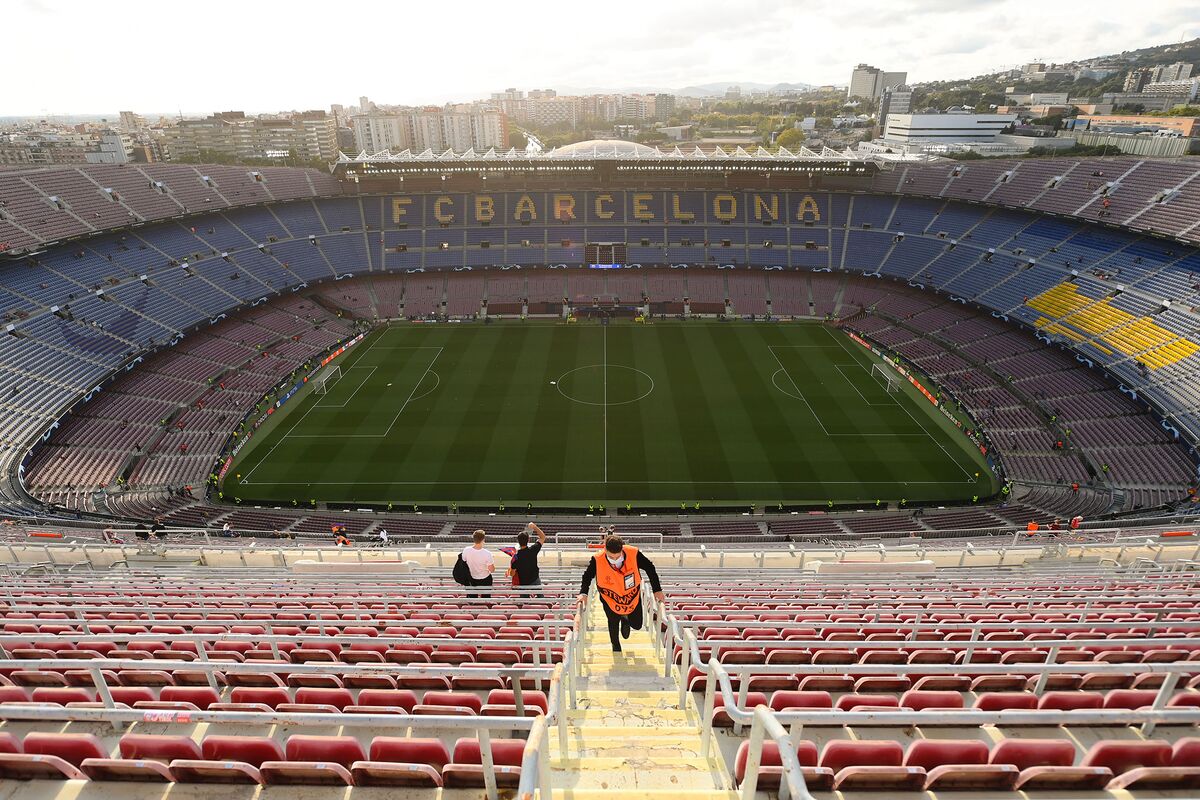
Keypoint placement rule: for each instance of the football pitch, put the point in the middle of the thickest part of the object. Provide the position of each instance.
(574, 415)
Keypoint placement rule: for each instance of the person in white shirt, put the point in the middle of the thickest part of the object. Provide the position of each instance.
(480, 561)
(383, 537)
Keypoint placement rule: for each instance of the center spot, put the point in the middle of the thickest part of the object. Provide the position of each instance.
(587, 385)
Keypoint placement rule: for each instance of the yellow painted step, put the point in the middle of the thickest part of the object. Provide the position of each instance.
(616, 733)
(645, 794)
(637, 762)
(614, 698)
(633, 717)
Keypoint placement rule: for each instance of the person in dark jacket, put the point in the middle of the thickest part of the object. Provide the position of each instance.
(617, 570)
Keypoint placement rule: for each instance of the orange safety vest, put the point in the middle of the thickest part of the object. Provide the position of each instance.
(621, 589)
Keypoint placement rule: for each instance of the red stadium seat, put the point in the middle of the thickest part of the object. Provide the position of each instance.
(51, 756)
(144, 758)
(959, 765)
(870, 765)
(1047, 764)
(338, 698)
(384, 701)
(449, 704)
(229, 759)
(1006, 701)
(200, 696)
(926, 701)
(1130, 699)
(503, 703)
(466, 771)
(1149, 765)
(770, 771)
(787, 700)
(320, 760)
(398, 761)
(1071, 701)
(867, 702)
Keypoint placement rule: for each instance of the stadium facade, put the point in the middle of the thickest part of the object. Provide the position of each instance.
(140, 298)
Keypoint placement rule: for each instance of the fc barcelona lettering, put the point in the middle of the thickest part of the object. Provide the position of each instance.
(607, 207)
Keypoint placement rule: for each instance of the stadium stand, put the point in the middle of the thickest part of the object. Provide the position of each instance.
(1105, 305)
(1074, 677)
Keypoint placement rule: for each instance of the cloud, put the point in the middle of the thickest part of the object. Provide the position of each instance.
(249, 55)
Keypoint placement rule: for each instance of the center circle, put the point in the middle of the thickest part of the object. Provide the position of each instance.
(598, 385)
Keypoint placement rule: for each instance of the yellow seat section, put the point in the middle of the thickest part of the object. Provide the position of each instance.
(1140, 337)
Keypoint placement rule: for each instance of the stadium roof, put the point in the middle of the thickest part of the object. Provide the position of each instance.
(615, 150)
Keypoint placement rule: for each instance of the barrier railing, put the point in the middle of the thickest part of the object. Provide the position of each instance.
(770, 724)
(120, 718)
(561, 696)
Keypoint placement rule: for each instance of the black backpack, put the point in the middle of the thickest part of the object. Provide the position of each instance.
(462, 572)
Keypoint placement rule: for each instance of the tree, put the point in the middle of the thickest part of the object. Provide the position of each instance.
(517, 139)
(791, 139)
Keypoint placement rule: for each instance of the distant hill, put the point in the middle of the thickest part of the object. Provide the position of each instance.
(1183, 51)
(719, 89)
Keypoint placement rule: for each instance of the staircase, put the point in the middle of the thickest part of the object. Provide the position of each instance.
(627, 737)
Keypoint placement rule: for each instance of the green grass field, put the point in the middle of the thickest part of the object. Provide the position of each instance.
(571, 415)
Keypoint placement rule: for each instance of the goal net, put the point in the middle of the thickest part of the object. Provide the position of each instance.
(326, 379)
(885, 378)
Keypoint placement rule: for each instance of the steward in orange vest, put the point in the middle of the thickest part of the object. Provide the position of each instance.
(617, 570)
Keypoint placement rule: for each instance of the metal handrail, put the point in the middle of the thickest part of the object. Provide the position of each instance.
(1148, 718)
(535, 760)
(792, 785)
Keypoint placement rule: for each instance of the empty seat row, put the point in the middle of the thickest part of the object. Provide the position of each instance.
(1118, 699)
(956, 765)
(499, 702)
(302, 760)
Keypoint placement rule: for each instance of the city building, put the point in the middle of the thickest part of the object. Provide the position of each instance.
(1138, 123)
(430, 130)
(1136, 79)
(310, 135)
(129, 121)
(946, 128)
(1186, 88)
(1172, 72)
(664, 106)
(869, 82)
(112, 148)
(1143, 101)
(894, 100)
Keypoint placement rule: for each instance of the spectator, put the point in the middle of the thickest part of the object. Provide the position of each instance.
(479, 561)
(525, 563)
(383, 537)
(227, 530)
(617, 570)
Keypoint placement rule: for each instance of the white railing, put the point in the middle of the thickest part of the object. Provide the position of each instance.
(766, 723)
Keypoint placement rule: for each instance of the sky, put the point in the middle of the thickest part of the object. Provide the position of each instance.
(80, 57)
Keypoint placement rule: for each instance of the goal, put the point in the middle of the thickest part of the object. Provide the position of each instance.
(885, 378)
(326, 379)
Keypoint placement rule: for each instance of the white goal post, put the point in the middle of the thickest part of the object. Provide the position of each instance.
(326, 378)
(885, 378)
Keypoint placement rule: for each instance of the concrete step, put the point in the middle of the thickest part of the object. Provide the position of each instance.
(638, 772)
(628, 682)
(629, 698)
(645, 794)
(634, 743)
(635, 717)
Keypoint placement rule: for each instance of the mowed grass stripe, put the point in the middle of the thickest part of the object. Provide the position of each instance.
(630, 438)
(701, 435)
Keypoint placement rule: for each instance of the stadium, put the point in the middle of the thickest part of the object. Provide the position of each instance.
(913, 445)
